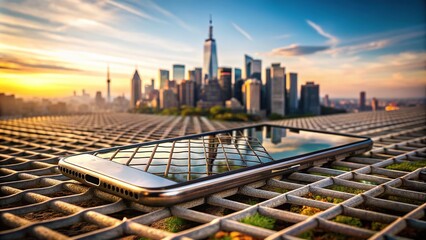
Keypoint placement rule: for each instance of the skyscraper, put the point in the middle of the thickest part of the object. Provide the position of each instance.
(186, 93)
(293, 103)
(251, 91)
(210, 57)
(108, 87)
(237, 75)
(178, 72)
(268, 90)
(309, 99)
(135, 87)
(211, 95)
(191, 75)
(238, 94)
(225, 82)
(252, 68)
(326, 101)
(163, 76)
(247, 66)
(374, 104)
(148, 88)
(278, 89)
(362, 101)
(168, 99)
(99, 100)
(196, 76)
(256, 69)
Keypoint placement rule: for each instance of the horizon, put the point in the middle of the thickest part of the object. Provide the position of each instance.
(50, 51)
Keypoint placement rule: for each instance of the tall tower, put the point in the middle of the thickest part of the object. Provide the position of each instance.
(108, 86)
(362, 101)
(225, 82)
(293, 104)
(251, 91)
(136, 88)
(277, 89)
(210, 57)
(163, 76)
(309, 99)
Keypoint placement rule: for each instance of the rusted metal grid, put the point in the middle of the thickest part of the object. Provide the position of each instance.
(37, 201)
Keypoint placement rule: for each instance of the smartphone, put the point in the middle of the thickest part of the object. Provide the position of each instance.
(169, 171)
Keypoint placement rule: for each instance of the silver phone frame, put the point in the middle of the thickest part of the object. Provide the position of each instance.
(165, 196)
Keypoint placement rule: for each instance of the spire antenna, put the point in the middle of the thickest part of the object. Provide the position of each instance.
(108, 71)
(211, 28)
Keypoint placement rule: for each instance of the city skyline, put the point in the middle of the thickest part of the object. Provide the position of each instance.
(49, 51)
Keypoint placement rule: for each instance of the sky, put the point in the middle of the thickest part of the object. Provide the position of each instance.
(50, 48)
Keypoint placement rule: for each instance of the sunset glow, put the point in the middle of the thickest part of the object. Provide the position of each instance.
(51, 48)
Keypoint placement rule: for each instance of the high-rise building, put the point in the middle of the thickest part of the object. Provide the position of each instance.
(210, 57)
(310, 99)
(172, 85)
(247, 66)
(135, 87)
(186, 93)
(191, 75)
(374, 104)
(163, 76)
(252, 68)
(326, 101)
(238, 94)
(362, 101)
(251, 91)
(268, 90)
(178, 72)
(278, 89)
(108, 87)
(225, 82)
(293, 103)
(168, 99)
(148, 88)
(99, 100)
(237, 75)
(196, 76)
(256, 69)
(211, 95)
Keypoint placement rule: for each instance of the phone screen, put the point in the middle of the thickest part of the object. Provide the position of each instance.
(192, 158)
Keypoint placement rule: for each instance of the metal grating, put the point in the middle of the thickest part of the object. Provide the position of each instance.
(375, 195)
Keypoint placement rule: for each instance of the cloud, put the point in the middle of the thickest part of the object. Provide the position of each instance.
(136, 12)
(379, 41)
(58, 19)
(169, 14)
(12, 63)
(55, 14)
(296, 50)
(332, 39)
(363, 47)
(242, 31)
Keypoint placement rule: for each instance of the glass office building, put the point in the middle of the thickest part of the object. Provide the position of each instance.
(210, 57)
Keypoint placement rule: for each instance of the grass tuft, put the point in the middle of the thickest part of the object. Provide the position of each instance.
(356, 222)
(346, 189)
(259, 221)
(174, 224)
(407, 166)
